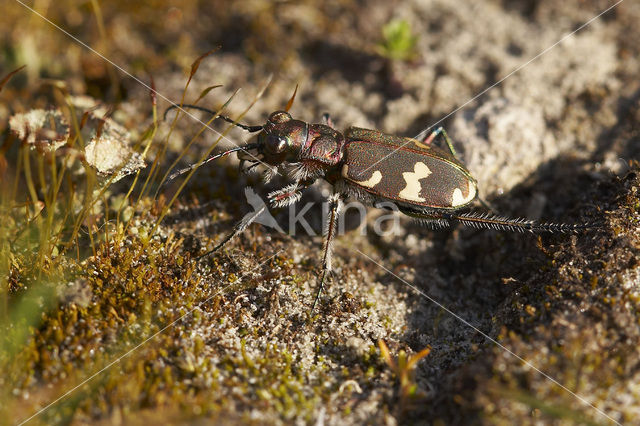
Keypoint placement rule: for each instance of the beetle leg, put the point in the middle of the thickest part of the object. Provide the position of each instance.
(288, 195)
(326, 119)
(248, 169)
(433, 220)
(335, 203)
(237, 229)
(269, 173)
(441, 131)
(490, 221)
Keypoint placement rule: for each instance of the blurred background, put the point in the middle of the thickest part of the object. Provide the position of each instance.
(400, 67)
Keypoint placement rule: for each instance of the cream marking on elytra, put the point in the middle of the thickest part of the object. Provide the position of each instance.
(458, 199)
(375, 178)
(412, 190)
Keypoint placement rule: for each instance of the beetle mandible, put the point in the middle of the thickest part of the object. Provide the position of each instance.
(423, 179)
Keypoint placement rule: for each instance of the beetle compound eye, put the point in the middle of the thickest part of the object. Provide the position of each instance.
(276, 144)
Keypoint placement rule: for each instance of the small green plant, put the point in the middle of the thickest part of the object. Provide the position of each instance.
(398, 43)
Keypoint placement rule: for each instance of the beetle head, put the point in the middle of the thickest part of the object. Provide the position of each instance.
(282, 139)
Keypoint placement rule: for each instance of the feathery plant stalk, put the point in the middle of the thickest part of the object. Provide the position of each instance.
(163, 148)
(58, 216)
(48, 199)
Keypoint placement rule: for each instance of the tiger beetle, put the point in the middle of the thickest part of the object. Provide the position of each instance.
(424, 179)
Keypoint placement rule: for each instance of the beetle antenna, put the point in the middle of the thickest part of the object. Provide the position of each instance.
(246, 127)
(491, 221)
(210, 158)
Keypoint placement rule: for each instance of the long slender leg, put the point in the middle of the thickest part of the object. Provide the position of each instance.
(237, 229)
(288, 197)
(433, 220)
(491, 221)
(441, 131)
(335, 203)
(248, 169)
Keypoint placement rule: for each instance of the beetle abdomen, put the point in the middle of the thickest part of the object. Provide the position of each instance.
(414, 173)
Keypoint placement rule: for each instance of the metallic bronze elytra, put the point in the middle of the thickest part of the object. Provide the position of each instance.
(415, 176)
(423, 179)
